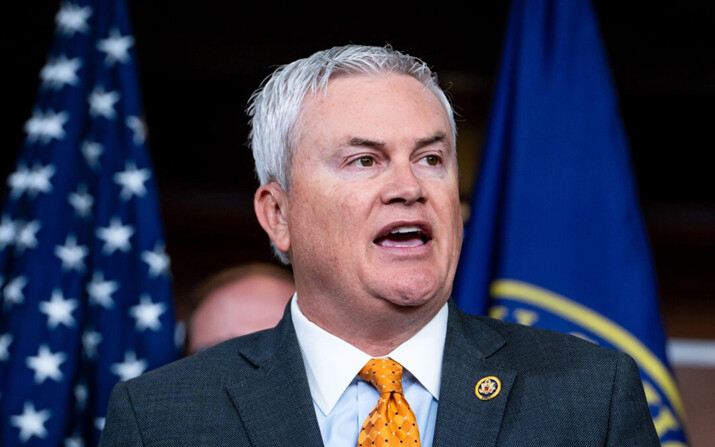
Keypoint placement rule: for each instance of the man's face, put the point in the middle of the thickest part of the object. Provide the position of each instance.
(373, 210)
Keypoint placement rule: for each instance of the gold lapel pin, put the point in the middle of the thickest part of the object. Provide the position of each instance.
(488, 388)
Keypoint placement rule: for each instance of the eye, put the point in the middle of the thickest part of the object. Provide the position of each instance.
(432, 160)
(366, 161)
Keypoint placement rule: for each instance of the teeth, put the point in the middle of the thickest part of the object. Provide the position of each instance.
(404, 230)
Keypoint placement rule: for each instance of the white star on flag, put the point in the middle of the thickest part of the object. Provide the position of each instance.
(39, 180)
(32, 181)
(147, 314)
(132, 180)
(116, 47)
(60, 72)
(46, 364)
(13, 291)
(138, 128)
(74, 441)
(100, 291)
(31, 422)
(92, 151)
(130, 368)
(101, 103)
(157, 260)
(115, 236)
(71, 254)
(7, 232)
(45, 126)
(99, 423)
(18, 180)
(81, 394)
(59, 310)
(81, 201)
(90, 341)
(26, 236)
(5, 342)
(72, 18)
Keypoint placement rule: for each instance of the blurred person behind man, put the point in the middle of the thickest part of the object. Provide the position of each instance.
(237, 301)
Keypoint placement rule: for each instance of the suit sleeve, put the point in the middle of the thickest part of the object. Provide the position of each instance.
(630, 422)
(121, 428)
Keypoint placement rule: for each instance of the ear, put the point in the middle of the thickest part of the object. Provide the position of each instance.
(271, 206)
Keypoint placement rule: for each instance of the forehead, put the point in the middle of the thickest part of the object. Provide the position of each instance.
(384, 103)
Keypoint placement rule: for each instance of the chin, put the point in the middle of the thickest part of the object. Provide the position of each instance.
(415, 294)
(407, 286)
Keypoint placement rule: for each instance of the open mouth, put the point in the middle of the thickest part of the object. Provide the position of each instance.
(403, 236)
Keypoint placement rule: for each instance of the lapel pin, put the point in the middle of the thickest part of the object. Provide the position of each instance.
(488, 388)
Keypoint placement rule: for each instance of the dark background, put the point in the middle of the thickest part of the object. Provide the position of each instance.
(200, 61)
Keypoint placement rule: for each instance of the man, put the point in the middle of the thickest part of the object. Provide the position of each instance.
(355, 151)
(237, 301)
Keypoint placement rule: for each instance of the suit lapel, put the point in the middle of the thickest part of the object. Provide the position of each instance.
(274, 403)
(273, 398)
(462, 418)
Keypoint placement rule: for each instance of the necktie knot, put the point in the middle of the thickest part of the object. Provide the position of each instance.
(391, 423)
(384, 374)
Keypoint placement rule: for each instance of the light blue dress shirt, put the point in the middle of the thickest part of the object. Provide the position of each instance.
(342, 401)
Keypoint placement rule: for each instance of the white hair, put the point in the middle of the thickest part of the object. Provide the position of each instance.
(275, 107)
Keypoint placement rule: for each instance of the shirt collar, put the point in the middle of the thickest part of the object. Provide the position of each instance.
(331, 363)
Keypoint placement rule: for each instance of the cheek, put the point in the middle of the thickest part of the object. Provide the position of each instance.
(451, 215)
(320, 219)
(343, 219)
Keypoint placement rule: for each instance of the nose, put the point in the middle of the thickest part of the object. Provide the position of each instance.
(403, 186)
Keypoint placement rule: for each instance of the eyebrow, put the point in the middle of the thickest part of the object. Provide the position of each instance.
(358, 141)
(436, 138)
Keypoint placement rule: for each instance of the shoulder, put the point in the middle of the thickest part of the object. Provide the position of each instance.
(187, 402)
(528, 348)
(519, 333)
(212, 368)
(577, 391)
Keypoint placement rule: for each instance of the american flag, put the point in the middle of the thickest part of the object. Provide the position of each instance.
(85, 290)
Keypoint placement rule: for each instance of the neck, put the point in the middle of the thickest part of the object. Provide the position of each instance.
(377, 333)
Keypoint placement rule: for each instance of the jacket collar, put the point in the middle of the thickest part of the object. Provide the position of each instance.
(273, 398)
(463, 418)
(278, 386)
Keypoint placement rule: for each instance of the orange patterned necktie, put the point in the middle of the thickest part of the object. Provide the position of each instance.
(392, 422)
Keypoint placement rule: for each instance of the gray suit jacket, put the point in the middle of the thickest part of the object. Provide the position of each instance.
(557, 390)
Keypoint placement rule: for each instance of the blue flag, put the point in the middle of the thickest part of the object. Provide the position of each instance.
(85, 291)
(556, 239)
